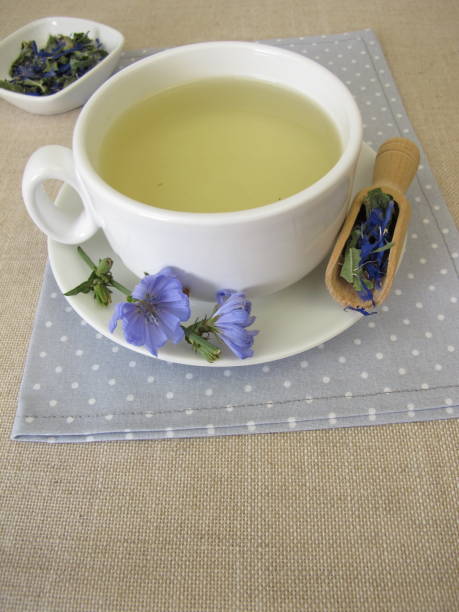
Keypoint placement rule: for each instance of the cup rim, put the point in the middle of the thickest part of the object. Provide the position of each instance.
(349, 155)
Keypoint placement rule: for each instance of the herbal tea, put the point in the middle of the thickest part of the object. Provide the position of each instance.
(219, 145)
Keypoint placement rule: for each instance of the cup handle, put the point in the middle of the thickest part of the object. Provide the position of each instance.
(69, 225)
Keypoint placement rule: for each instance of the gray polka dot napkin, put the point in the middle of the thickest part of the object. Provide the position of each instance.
(397, 366)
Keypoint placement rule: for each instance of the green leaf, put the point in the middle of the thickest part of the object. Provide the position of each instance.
(376, 198)
(84, 287)
(357, 283)
(52, 41)
(350, 264)
(35, 84)
(354, 237)
(369, 283)
(11, 86)
(387, 246)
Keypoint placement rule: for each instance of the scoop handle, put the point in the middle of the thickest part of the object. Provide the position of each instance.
(396, 164)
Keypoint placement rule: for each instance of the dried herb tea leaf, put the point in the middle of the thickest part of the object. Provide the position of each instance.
(64, 59)
(366, 252)
(351, 263)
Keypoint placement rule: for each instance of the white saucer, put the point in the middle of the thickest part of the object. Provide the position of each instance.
(290, 321)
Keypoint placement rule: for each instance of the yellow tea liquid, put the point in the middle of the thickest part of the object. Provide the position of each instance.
(219, 145)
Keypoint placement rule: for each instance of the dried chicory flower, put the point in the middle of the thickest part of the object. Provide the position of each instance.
(64, 59)
(366, 252)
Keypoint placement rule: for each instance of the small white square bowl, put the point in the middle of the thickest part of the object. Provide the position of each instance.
(75, 94)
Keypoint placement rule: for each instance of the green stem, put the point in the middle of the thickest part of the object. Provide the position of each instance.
(201, 345)
(120, 287)
(87, 259)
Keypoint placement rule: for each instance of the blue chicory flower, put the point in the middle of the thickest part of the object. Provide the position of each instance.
(154, 316)
(230, 321)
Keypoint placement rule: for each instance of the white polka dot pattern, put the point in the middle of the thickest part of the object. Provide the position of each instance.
(397, 366)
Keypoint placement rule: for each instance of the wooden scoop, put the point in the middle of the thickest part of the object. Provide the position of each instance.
(396, 164)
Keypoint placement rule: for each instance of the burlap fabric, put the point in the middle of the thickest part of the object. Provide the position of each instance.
(350, 519)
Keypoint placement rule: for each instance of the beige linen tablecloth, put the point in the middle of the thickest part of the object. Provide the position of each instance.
(349, 519)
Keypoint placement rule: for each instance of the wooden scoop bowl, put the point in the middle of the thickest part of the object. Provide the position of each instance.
(396, 164)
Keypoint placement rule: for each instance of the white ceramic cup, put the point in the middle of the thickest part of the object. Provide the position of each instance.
(260, 250)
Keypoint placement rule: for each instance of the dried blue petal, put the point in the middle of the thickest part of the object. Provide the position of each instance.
(362, 311)
(370, 241)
